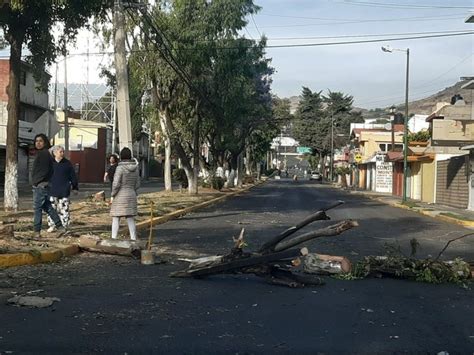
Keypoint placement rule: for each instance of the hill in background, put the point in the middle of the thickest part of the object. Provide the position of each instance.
(423, 106)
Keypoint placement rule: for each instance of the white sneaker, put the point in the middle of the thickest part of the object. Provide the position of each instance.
(51, 229)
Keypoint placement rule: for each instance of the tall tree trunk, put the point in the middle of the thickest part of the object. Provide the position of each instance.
(204, 167)
(196, 154)
(167, 141)
(248, 160)
(233, 170)
(240, 170)
(13, 107)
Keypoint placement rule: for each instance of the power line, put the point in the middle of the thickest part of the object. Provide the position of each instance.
(255, 23)
(364, 35)
(414, 19)
(447, 71)
(422, 85)
(402, 6)
(361, 20)
(321, 44)
(171, 60)
(367, 41)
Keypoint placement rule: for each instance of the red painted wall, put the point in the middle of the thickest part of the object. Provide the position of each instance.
(91, 162)
(4, 78)
(397, 187)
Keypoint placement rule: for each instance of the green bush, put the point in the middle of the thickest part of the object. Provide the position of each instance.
(217, 183)
(204, 182)
(180, 176)
(421, 136)
(342, 170)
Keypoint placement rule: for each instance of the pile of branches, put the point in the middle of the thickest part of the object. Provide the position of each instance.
(279, 261)
(397, 265)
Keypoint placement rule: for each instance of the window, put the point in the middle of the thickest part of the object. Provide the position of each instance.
(23, 77)
(61, 133)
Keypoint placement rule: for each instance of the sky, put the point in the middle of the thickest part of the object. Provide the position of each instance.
(373, 77)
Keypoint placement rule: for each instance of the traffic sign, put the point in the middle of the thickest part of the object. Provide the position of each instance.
(358, 158)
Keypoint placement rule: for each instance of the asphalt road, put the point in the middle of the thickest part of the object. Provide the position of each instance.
(114, 304)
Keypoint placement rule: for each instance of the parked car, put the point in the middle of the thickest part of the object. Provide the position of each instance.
(315, 176)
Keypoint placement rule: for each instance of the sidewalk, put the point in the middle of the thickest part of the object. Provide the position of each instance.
(25, 192)
(449, 214)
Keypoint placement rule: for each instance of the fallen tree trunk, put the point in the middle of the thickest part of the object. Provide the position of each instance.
(318, 216)
(111, 246)
(333, 230)
(277, 261)
(326, 264)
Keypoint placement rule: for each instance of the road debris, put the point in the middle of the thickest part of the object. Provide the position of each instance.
(278, 261)
(32, 301)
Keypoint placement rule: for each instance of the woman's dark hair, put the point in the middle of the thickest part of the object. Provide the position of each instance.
(47, 143)
(115, 156)
(125, 154)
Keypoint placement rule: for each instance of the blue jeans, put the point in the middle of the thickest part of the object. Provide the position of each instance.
(42, 203)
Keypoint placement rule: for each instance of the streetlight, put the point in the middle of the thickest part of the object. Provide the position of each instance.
(405, 122)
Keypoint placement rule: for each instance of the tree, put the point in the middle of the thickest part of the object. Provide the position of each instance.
(311, 126)
(31, 23)
(339, 108)
(186, 76)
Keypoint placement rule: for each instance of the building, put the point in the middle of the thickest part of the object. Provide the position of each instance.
(35, 117)
(452, 127)
(87, 146)
(372, 145)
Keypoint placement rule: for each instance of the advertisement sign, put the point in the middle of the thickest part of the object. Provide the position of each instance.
(383, 175)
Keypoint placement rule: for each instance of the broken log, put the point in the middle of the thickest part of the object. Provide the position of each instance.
(281, 277)
(111, 246)
(238, 264)
(332, 230)
(326, 264)
(317, 216)
(277, 260)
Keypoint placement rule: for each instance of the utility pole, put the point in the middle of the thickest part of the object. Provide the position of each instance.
(331, 160)
(123, 100)
(66, 119)
(405, 131)
(114, 123)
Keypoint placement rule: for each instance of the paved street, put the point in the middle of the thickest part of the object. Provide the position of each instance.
(114, 304)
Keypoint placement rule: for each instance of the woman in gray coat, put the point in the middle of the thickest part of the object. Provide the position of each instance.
(124, 193)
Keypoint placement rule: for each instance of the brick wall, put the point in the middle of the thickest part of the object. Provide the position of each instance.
(4, 78)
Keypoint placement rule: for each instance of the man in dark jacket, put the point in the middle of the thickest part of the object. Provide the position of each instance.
(63, 180)
(41, 173)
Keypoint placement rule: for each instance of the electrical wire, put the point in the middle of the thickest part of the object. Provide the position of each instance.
(362, 20)
(414, 19)
(364, 35)
(401, 6)
(256, 27)
(320, 44)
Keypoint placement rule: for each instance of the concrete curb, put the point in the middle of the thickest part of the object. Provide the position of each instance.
(435, 215)
(47, 256)
(179, 213)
